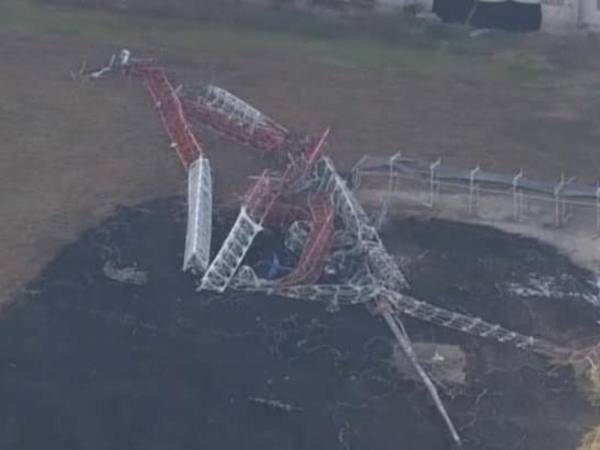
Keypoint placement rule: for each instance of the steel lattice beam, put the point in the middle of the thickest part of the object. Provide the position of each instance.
(318, 244)
(375, 276)
(258, 203)
(199, 221)
(225, 113)
(172, 113)
(232, 253)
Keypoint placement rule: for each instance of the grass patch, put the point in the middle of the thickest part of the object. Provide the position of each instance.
(12, 12)
(371, 41)
(391, 29)
(298, 33)
(523, 72)
(524, 66)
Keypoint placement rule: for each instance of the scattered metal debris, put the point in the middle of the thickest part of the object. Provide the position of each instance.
(277, 405)
(306, 198)
(128, 275)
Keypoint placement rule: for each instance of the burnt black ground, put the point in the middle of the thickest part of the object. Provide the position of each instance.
(90, 363)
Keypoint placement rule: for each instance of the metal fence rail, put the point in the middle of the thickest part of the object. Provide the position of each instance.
(564, 199)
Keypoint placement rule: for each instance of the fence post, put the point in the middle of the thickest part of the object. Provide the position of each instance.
(565, 214)
(473, 190)
(391, 189)
(432, 183)
(392, 179)
(516, 200)
(557, 189)
(560, 215)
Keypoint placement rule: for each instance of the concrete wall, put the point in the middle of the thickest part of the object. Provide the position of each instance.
(589, 16)
(565, 16)
(560, 16)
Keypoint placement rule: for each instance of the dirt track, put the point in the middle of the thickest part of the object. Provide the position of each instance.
(73, 151)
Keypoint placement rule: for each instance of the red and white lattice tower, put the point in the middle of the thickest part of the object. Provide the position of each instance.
(174, 118)
(256, 208)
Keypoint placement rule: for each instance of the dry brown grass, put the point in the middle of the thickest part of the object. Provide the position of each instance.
(591, 441)
(72, 151)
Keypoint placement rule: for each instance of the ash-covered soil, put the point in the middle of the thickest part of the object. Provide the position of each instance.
(87, 362)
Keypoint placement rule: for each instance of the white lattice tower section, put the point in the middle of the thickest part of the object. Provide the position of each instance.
(233, 107)
(199, 222)
(397, 328)
(246, 280)
(226, 113)
(334, 295)
(262, 196)
(303, 157)
(404, 304)
(296, 235)
(380, 262)
(347, 207)
(232, 252)
(257, 206)
(384, 268)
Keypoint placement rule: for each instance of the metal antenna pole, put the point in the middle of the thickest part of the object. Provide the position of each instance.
(385, 205)
(392, 162)
(406, 346)
(355, 173)
(565, 215)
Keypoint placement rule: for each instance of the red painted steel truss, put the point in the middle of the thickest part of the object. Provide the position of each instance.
(264, 200)
(171, 109)
(318, 244)
(267, 136)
